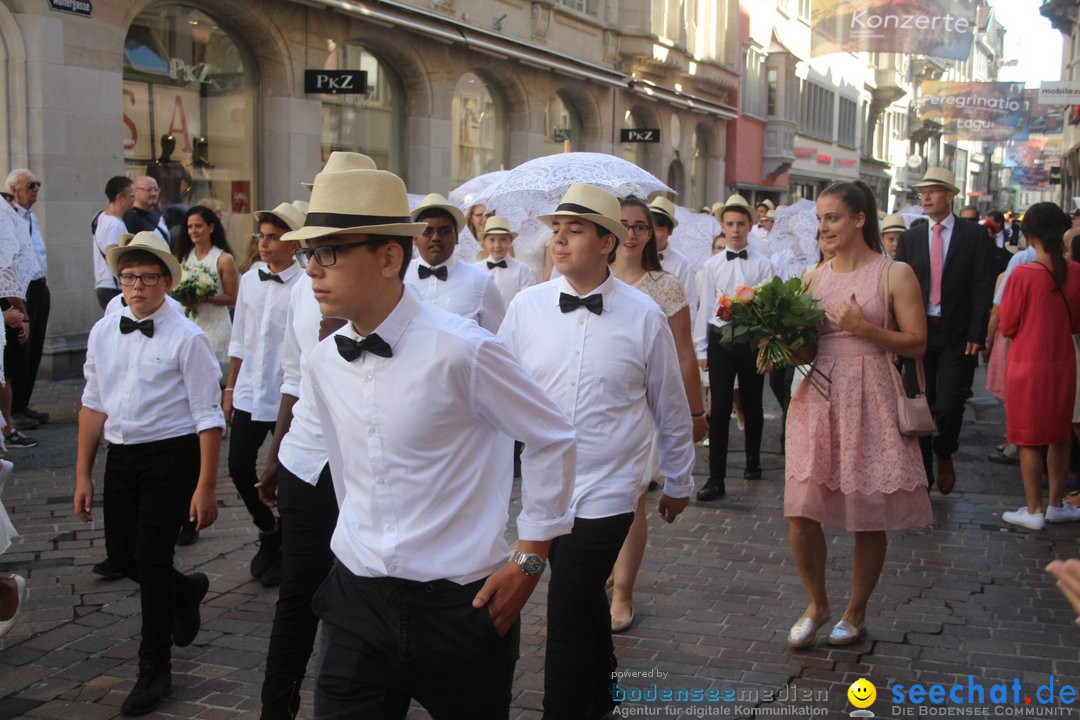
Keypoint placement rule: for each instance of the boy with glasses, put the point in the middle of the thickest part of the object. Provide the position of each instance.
(440, 278)
(152, 392)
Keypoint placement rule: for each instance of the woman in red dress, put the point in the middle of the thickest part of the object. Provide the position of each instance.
(1040, 312)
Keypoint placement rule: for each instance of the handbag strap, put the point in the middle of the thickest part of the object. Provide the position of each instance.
(920, 372)
(1053, 279)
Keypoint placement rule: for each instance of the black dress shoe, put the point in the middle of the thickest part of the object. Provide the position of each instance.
(711, 490)
(186, 620)
(108, 570)
(41, 417)
(150, 689)
(188, 534)
(752, 474)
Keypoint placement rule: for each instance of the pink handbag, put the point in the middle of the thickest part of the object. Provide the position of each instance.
(912, 414)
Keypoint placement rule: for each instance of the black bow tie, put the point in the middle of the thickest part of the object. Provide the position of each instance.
(439, 272)
(352, 349)
(127, 325)
(264, 276)
(593, 303)
(501, 263)
(733, 255)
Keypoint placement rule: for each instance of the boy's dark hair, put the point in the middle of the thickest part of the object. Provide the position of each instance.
(117, 184)
(275, 221)
(406, 243)
(140, 257)
(662, 220)
(437, 212)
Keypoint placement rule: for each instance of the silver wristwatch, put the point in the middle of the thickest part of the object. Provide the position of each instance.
(530, 563)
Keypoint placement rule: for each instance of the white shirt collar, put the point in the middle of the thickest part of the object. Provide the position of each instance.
(393, 325)
(606, 290)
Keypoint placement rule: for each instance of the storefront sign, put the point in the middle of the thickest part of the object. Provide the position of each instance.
(176, 113)
(1059, 93)
(240, 192)
(938, 28)
(639, 135)
(974, 110)
(137, 140)
(805, 153)
(335, 82)
(76, 7)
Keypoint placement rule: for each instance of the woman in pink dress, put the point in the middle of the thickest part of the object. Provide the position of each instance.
(847, 465)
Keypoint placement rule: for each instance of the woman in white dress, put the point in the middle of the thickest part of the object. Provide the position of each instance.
(202, 242)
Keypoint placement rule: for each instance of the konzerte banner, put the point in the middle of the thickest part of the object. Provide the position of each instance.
(973, 110)
(938, 28)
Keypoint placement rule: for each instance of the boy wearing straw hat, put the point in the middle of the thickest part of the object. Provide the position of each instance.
(511, 276)
(605, 354)
(671, 260)
(440, 278)
(152, 392)
(723, 273)
(251, 397)
(416, 408)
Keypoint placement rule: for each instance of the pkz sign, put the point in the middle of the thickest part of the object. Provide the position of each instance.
(335, 82)
(639, 135)
(77, 7)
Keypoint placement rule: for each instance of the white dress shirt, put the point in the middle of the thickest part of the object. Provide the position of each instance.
(510, 280)
(467, 291)
(36, 239)
(758, 239)
(616, 376)
(674, 262)
(721, 277)
(946, 236)
(152, 388)
(109, 230)
(422, 443)
(258, 333)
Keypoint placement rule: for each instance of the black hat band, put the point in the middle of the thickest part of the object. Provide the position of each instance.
(343, 220)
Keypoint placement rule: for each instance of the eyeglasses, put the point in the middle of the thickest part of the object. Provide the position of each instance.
(638, 229)
(446, 231)
(33, 185)
(325, 255)
(933, 191)
(148, 279)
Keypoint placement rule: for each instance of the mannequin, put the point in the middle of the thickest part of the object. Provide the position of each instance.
(201, 169)
(170, 174)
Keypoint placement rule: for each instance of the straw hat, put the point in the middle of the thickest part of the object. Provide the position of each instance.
(734, 202)
(148, 241)
(435, 201)
(893, 222)
(286, 213)
(497, 225)
(301, 205)
(369, 202)
(665, 207)
(769, 204)
(938, 176)
(340, 160)
(593, 204)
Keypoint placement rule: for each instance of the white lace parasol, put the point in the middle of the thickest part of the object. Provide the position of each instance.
(793, 239)
(465, 194)
(911, 213)
(694, 236)
(18, 261)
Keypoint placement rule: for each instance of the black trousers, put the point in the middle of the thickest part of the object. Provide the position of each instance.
(246, 436)
(386, 640)
(580, 656)
(726, 363)
(308, 516)
(949, 374)
(38, 303)
(147, 496)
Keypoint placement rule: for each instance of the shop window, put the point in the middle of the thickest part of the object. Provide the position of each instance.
(477, 122)
(561, 123)
(699, 169)
(189, 99)
(371, 123)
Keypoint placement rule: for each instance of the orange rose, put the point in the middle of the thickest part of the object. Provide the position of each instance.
(745, 293)
(725, 301)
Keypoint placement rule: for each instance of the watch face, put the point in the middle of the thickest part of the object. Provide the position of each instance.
(532, 565)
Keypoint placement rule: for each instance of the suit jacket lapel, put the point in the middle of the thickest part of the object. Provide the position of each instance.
(954, 243)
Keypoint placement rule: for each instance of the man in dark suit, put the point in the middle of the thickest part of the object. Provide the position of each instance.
(953, 260)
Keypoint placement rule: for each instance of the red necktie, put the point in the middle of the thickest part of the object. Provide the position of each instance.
(937, 261)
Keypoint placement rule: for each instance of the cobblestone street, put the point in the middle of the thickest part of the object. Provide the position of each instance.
(716, 596)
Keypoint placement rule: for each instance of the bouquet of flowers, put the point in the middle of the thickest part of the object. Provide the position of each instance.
(781, 318)
(196, 284)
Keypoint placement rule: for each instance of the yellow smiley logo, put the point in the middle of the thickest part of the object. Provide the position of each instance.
(862, 693)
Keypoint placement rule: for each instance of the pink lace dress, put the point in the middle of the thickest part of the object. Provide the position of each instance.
(847, 465)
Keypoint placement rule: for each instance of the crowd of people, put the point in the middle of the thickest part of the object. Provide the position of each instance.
(381, 509)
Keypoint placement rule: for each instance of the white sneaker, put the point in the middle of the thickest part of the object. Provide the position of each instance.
(1065, 513)
(1021, 517)
(21, 593)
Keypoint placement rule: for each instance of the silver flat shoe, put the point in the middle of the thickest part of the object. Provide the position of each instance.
(844, 633)
(804, 632)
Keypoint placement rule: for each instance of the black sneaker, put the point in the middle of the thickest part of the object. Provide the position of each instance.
(188, 534)
(269, 552)
(752, 474)
(186, 620)
(18, 440)
(711, 490)
(272, 576)
(150, 689)
(23, 422)
(108, 570)
(40, 417)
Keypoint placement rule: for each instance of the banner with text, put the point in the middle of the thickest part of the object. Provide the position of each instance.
(937, 28)
(1059, 93)
(974, 110)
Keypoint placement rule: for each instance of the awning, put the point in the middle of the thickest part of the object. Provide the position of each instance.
(684, 100)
